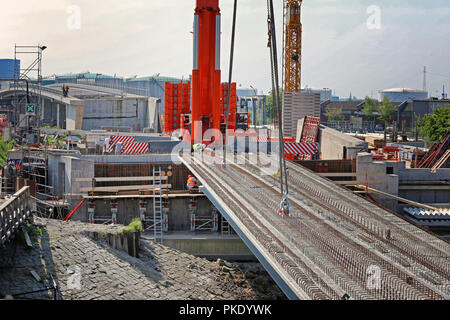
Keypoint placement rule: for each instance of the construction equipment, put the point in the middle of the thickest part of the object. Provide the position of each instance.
(436, 154)
(272, 44)
(209, 96)
(292, 45)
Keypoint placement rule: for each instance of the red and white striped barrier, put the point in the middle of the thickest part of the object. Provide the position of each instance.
(301, 148)
(119, 139)
(134, 147)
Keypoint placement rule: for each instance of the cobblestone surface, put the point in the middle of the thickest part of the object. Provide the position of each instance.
(62, 250)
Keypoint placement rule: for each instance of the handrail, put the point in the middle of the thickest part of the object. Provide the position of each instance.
(13, 214)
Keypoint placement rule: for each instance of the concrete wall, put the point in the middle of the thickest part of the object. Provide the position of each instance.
(128, 209)
(149, 158)
(420, 185)
(64, 168)
(116, 112)
(210, 246)
(335, 145)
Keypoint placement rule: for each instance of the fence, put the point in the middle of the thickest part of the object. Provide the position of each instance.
(349, 126)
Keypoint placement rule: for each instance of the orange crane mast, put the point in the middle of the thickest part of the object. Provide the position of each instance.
(293, 45)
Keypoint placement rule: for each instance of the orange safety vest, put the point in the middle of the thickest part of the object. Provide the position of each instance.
(191, 182)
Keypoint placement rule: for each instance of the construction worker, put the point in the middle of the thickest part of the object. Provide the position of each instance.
(191, 182)
(64, 90)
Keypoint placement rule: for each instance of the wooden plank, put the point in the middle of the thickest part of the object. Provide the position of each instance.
(138, 196)
(431, 187)
(112, 179)
(417, 204)
(337, 174)
(126, 188)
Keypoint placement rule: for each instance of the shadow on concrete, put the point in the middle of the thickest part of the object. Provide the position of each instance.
(147, 263)
(17, 261)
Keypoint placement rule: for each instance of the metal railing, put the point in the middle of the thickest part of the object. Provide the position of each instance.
(13, 214)
(348, 126)
(34, 88)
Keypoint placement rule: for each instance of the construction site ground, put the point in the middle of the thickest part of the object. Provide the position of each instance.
(108, 274)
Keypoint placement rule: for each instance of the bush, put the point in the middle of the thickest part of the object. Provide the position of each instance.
(435, 126)
(134, 226)
(4, 148)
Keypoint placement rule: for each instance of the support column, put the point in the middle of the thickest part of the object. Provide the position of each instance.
(57, 115)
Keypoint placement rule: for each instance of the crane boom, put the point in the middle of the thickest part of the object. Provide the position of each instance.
(293, 45)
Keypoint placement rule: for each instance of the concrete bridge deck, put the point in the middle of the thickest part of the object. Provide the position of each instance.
(333, 243)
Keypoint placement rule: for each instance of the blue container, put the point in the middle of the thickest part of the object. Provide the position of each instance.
(9, 68)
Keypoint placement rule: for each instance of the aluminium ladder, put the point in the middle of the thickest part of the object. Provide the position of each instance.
(157, 206)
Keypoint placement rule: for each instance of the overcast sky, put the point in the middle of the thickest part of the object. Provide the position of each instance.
(146, 37)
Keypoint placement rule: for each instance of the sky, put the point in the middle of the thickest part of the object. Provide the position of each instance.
(358, 46)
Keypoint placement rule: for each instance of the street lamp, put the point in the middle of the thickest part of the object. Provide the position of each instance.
(254, 104)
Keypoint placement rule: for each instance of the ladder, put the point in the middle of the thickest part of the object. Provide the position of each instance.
(157, 206)
(225, 226)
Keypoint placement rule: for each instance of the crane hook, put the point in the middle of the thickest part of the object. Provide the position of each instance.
(285, 206)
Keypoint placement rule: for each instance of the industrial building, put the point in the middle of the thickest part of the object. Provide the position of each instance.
(403, 94)
(151, 86)
(296, 107)
(86, 104)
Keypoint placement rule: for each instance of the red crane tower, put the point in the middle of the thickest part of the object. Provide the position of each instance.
(208, 94)
(206, 70)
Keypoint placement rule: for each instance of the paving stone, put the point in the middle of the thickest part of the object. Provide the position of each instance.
(106, 273)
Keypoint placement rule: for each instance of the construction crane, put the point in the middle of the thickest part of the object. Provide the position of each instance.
(292, 45)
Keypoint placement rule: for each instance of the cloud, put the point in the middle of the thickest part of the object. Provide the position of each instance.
(141, 37)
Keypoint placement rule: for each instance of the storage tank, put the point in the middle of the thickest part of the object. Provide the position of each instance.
(9, 68)
(403, 94)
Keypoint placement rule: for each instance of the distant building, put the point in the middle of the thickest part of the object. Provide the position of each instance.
(246, 92)
(297, 106)
(403, 94)
(325, 93)
(406, 110)
(151, 86)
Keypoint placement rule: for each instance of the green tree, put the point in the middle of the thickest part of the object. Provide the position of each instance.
(370, 107)
(5, 146)
(386, 110)
(270, 110)
(436, 125)
(334, 114)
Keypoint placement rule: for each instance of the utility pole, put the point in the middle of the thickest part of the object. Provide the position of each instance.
(425, 78)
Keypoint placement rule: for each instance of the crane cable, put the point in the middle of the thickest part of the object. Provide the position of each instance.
(227, 111)
(284, 204)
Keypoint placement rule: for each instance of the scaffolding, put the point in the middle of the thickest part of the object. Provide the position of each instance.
(31, 73)
(202, 223)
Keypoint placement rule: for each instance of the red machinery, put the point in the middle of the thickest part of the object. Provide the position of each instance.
(310, 129)
(177, 99)
(209, 96)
